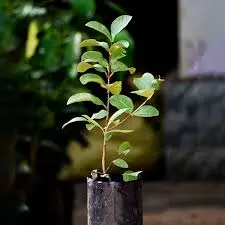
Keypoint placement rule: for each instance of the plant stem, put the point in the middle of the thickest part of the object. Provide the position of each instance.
(104, 157)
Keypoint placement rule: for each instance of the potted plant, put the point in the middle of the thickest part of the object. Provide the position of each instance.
(113, 199)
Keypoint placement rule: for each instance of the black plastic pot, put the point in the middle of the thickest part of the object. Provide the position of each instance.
(114, 203)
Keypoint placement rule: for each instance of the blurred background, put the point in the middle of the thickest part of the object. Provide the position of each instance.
(43, 168)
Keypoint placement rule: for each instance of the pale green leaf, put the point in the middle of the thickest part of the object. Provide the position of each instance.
(119, 24)
(92, 56)
(123, 43)
(76, 119)
(120, 131)
(108, 136)
(82, 97)
(116, 52)
(144, 82)
(146, 111)
(157, 83)
(100, 28)
(115, 88)
(93, 43)
(100, 115)
(131, 176)
(148, 93)
(117, 114)
(90, 120)
(83, 67)
(99, 68)
(103, 62)
(91, 77)
(90, 126)
(124, 148)
(120, 163)
(121, 102)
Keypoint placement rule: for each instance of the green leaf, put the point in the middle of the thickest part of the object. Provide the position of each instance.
(119, 24)
(90, 126)
(76, 119)
(118, 66)
(108, 136)
(92, 56)
(99, 68)
(130, 175)
(117, 114)
(90, 120)
(116, 52)
(91, 77)
(83, 8)
(157, 83)
(148, 93)
(83, 67)
(120, 163)
(115, 88)
(100, 115)
(144, 82)
(124, 148)
(120, 131)
(93, 43)
(146, 111)
(100, 28)
(82, 97)
(121, 102)
(123, 43)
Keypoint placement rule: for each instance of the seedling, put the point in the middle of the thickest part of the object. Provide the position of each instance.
(107, 67)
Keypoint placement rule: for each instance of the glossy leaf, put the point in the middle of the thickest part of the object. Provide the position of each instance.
(84, 8)
(100, 115)
(124, 148)
(100, 28)
(121, 102)
(119, 24)
(81, 97)
(131, 176)
(115, 88)
(117, 114)
(93, 43)
(144, 82)
(92, 56)
(76, 119)
(91, 77)
(120, 163)
(118, 66)
(83, 67)
(147, 111)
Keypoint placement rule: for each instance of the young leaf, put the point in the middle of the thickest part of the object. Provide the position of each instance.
(93, 43)
(120, 131)
(157, 83)
(144, 82)
(92, 56)
(123, 43)
(117, 114)
(100, 28)
(76, 119)
(121, 102)
(146, 111)
(130, 175)
(124, 148)
(120, 163)
(108, 136)
(82, 97)
(83, 67)
(115, 88)
(100, 115)
(119, 24)
(91, 77)
(118, 66)
(90, 120)
(99, 68)
(148, 93)
(116, 53)
(90, 126)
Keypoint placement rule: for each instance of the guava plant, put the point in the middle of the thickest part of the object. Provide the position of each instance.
(107, 63)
